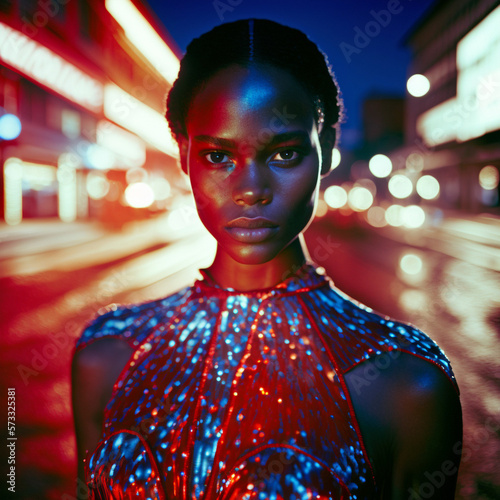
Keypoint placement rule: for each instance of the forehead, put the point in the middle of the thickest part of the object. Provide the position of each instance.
(240, 97)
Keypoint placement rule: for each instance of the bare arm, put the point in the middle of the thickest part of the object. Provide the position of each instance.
(95, 370)
(411, 420)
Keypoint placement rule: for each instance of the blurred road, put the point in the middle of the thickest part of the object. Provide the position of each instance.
(50, 292)
(454, 301)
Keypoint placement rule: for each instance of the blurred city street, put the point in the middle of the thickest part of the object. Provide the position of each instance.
(453, 300)
(95, 209)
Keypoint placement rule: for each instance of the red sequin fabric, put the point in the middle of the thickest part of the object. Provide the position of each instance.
(241, 395)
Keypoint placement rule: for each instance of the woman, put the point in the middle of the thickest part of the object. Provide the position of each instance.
(261, 380)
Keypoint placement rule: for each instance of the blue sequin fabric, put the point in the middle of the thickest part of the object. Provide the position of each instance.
(241, 395)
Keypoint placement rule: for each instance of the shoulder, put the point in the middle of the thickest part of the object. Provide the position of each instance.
(94, 371)
(131, 323)
(409, 415)
(402, 382)
(358, 334)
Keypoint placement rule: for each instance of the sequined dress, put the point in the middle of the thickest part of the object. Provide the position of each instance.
(241, 395)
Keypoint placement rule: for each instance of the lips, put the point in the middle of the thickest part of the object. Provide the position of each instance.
(254, 230)
(253, 223)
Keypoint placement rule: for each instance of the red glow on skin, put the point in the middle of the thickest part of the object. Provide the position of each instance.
(253, 178)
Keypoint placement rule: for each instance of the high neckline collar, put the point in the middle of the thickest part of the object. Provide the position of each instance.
(307, 277)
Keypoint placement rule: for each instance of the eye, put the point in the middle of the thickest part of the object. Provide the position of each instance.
(286, 155)
(217, 157)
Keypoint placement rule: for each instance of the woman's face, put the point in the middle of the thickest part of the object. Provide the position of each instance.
(253, 158)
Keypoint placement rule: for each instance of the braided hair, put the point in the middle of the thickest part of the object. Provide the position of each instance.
(255, 41)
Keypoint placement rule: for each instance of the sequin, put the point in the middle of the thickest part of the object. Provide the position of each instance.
(248, 399)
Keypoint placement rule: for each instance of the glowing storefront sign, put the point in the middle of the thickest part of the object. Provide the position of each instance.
(145, 38)
(130, 150)
(49, 69)
(134, 115)
(476, 109)
(21, 175)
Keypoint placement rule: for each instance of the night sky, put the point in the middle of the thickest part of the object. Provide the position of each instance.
(379, 67)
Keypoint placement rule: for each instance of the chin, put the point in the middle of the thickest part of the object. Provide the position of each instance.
(252, 255)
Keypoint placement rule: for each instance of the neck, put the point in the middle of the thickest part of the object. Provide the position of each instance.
(229, 273)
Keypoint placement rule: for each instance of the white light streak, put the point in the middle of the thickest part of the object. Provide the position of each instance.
(134, 115)
(13, 191)
(126, 146)
(144, 37)
(67, 195)
(44, 66)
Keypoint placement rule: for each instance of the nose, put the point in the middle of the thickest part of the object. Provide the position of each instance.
(252, 185)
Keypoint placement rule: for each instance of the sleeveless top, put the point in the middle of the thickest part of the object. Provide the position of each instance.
(235, 395)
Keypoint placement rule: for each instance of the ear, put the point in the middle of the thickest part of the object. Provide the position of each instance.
(327, 139)
(183, 143)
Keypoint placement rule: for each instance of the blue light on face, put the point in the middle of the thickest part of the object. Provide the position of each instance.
(10, 127)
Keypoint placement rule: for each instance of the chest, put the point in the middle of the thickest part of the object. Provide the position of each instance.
(217, 397)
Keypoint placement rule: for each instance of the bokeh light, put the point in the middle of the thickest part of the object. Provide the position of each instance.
(97, 185)
(428, 187)
(376, 217)
(413, 300)
(10, 127)
(359, 199)
(418, 85)
(411, 263)
(99, 157)
(335, 196)
(489, 177)
(380, 166)
(161, 188)
(412, 216)
(136, 175)
(139, 195)
(393, 215)
(400, 186)
(415, 162)
(368, 184)
(321, 209)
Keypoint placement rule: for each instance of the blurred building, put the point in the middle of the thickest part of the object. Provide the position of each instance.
(84, 82)
(453, 127)
(438, 156)
(383, 123)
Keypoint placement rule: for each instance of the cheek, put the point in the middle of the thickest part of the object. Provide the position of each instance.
(209, 196)
(301, 194)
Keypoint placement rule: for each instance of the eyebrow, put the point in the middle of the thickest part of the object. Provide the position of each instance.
(275, 139)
